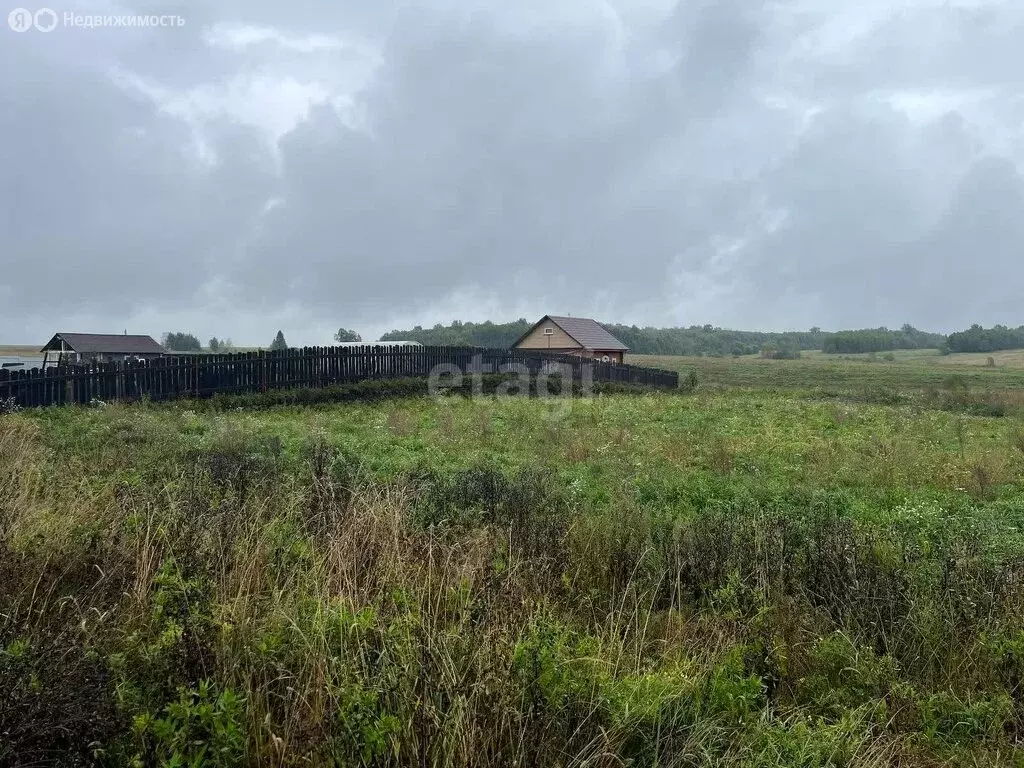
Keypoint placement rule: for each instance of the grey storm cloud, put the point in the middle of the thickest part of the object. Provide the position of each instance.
(763, 165)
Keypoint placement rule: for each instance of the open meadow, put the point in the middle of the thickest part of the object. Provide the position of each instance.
(919, 376)
(16, 350)
(801, 563)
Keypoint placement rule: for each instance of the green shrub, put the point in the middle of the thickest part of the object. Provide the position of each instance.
(844, 677)
(171, 648)
(364, 732)
(690, 381)
(945, 717)
(204, 726)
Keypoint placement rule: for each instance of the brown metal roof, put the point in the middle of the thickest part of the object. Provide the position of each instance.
(588, 333)
(105, 344)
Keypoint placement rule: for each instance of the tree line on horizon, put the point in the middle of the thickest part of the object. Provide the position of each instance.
(180, 341)
(694, 341)
(978, 339)
(880, 340)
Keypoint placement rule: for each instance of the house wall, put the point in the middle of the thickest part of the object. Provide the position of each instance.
(559, 341)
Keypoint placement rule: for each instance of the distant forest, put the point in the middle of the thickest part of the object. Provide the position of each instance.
(459, 334)
(880, 340)
(697, 340)
(978, 339)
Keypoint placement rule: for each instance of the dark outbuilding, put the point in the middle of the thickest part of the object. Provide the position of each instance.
(102, 347)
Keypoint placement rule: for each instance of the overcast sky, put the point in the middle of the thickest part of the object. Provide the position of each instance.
(307, 165)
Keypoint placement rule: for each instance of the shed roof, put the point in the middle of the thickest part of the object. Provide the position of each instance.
(377, 344)
(588, 333)
(105, 344)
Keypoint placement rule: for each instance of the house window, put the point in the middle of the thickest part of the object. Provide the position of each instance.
(549, 331)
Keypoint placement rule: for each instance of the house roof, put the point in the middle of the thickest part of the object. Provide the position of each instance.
(105, 344)
(588, 333)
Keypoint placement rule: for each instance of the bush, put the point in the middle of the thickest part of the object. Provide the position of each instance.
(844, 676)
(375, 390)
(526, 507)
(786, 352)
(204, 726)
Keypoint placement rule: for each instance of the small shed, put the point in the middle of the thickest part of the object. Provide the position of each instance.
(573, 336)
(101, 347)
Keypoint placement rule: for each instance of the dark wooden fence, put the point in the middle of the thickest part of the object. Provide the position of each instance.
(204, 375)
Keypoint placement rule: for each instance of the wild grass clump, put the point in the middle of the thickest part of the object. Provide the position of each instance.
(958, 396)
(1017, 438)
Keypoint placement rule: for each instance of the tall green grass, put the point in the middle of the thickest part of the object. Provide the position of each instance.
(721, 580)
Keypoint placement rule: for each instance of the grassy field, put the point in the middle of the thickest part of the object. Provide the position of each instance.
(803, 563)
(912, 376)
(912, 359)
(18, 350)
(1010, 358)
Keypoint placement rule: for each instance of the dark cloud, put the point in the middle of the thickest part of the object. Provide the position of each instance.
(890, 223)
(106, 206)
(779, 164)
